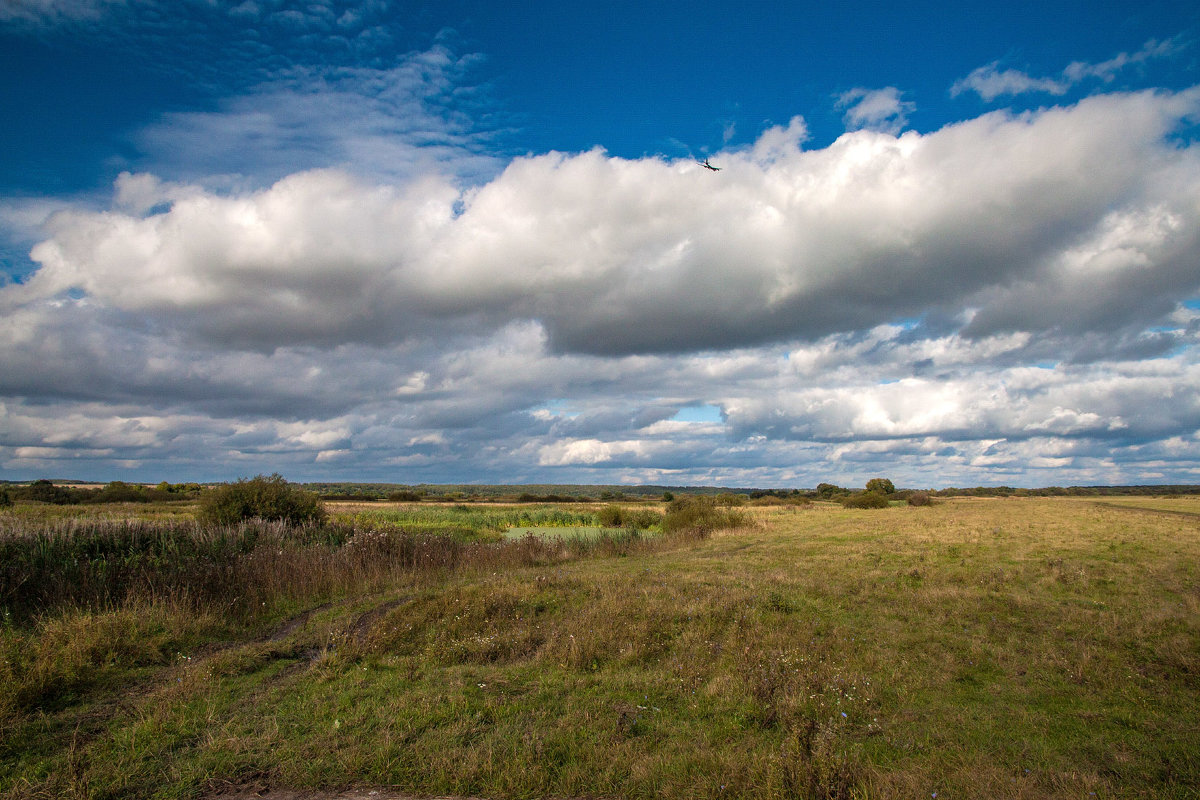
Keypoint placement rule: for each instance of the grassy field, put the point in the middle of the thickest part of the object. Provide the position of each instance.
(1015, 648)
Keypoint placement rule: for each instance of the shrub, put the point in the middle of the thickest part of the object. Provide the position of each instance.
(405, 496)
(699, 516)
(261, 497)
(5, 498)
(920, 499)
(865, 500)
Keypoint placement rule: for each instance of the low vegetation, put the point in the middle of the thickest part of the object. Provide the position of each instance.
(979, 647)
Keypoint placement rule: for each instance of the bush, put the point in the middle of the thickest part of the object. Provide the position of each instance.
(261, 497)
(405, 496)
(699, 516)
(5, 498)
(920, 499)
(865, 500)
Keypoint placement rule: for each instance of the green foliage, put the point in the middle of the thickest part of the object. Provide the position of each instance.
(699, 516)
(865, 500)
(405, 496)
(44, 491)
(829, 491)
(881, 485)
(668, 497)
(5, 498)
(261, 497)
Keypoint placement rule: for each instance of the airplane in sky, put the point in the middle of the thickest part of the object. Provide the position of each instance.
(707, 165)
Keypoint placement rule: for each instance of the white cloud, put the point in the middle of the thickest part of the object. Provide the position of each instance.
(608, 255)
(990, 81)
(390, 123)
(875, 109)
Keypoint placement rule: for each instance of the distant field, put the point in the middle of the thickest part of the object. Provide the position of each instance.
(999, 648)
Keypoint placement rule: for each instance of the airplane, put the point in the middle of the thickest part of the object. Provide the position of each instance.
(707, 165)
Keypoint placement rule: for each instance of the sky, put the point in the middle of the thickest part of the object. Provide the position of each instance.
(951, 244)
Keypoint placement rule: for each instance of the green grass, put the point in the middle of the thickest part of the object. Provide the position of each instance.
(1020, 648)
(560, 532)
(468, 523)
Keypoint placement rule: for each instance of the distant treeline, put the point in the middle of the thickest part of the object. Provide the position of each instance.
(1068, 491)
(64, 493)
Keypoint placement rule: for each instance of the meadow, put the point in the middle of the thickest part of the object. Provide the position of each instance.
(1007, 648)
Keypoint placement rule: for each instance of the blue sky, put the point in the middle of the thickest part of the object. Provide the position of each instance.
(949, 243)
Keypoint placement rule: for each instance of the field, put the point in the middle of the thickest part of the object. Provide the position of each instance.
(999, 648)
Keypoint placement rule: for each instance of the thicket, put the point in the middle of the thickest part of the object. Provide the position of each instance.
(263, 497)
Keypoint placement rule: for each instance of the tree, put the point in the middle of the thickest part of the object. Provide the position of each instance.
(827, 490)
(881, 485)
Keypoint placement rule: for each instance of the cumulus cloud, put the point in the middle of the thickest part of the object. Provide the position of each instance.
(612, 256)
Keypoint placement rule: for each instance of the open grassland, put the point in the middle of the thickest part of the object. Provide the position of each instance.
(1018, 648)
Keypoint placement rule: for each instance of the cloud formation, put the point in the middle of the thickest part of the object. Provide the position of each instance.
(889, 299)
(617, 257)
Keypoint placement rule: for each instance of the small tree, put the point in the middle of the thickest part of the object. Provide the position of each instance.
(5, 498)
(881, 485)
(262, 497)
